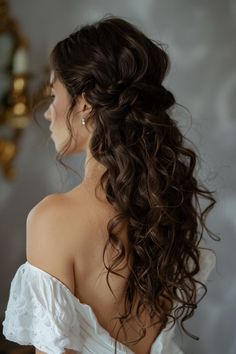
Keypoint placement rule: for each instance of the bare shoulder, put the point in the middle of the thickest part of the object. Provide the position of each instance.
(57, 210)
(49, 205)
(49, 245)
(56, 214)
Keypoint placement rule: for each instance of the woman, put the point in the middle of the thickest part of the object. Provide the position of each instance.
(115, 261)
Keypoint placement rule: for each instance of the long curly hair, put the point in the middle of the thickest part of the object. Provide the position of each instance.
(150, 169)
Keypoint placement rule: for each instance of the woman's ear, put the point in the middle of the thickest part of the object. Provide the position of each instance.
(85, 110)
(86, 107)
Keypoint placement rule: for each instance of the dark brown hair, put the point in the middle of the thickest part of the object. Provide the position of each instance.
(150, 177)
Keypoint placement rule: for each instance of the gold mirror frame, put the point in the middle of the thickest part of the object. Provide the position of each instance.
(14, 100)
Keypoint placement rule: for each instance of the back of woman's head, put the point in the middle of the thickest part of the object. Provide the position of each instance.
(149, 174)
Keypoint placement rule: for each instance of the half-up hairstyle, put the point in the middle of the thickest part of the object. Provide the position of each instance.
(150, 170)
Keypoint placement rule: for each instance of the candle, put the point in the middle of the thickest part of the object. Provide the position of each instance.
(20, 61)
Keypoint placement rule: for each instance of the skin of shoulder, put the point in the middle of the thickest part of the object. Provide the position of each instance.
(48, 242)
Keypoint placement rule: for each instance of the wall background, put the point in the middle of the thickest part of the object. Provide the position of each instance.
(199, 36)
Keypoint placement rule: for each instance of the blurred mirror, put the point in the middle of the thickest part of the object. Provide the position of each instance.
(14, 101)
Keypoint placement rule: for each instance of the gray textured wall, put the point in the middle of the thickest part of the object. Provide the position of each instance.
(199, 35)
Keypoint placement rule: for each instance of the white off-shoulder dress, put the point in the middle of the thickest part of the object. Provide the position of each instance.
(43, 312)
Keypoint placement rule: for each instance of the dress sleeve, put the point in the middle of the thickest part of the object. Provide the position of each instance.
(41, 312)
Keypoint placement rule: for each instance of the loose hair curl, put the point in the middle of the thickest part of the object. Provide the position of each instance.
(150, 169)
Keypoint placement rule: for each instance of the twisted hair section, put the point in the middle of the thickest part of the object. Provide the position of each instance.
(150, 173)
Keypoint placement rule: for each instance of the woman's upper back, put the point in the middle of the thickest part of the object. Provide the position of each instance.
(89, 234)
(60, 299)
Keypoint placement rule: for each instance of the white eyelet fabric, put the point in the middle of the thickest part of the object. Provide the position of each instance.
(43, 312)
